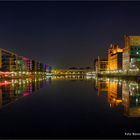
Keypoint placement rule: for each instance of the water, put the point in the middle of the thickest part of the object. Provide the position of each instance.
(69, 107)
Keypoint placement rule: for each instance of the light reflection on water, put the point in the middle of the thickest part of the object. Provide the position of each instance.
(125, 93)
(120, 92)
(11, 90)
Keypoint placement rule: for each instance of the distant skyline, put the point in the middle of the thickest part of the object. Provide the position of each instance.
(66, 34)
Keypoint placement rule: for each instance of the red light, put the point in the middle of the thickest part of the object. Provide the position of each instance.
(26, 94)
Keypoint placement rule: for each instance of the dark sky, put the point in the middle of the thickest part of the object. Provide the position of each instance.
(66, 34)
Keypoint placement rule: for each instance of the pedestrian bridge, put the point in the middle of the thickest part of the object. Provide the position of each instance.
(71, 71)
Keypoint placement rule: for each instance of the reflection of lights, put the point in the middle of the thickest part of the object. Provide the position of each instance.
(89, 77)
(120, 83)
(18, 91)
(5, 83)
(26, 94)
(114, 99)
(108, 79)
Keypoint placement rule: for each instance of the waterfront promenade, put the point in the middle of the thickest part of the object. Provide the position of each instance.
(128, 74)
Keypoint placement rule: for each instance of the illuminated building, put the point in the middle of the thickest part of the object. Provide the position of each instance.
(34, 66)
(70, 71)
(20, 64)
(114, 57)
(27, 63)
(101, 65)
(11, 62)
(131, 53)
(7, 60)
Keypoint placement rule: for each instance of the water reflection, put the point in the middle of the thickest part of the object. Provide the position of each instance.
(124, 93)
(69, 77)
(13, 89)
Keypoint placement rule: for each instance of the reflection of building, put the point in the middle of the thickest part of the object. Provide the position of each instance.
(124, 93)
(100, 65)
(113, 88)
(69, 77)
(131, 99)
(18, 88)
(101, 86)
(131, 53)
(114, 92)
(114, 57)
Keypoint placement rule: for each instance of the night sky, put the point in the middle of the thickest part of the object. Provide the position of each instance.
(66, 34)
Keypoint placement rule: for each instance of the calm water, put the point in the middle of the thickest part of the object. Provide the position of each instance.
(78, 107)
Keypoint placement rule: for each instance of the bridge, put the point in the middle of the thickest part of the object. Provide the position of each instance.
(71, 71)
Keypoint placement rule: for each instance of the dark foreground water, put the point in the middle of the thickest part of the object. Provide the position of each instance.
(70, 108)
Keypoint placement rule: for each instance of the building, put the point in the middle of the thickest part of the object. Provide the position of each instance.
(114, 58)
(131, 53)
(70, 71)
(7, 60)
(101, 65)
(27, 63)
(95, 64)
(12, 64)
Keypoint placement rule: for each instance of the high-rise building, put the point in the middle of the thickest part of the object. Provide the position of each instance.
(131, 53)
(114, 57)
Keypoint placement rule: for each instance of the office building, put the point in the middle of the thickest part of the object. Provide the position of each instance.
(101, 65)
(114, 58)
(131, 53)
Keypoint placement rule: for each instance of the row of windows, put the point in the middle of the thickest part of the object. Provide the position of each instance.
(135, 52)
(135, 48)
